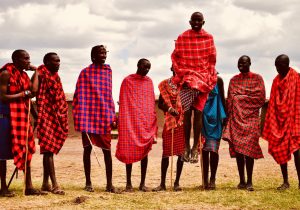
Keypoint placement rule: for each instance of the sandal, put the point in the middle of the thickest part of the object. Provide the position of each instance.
(186, 156)
(159, 188)
(241, 186)
(143, 188)
(129, 189)
(283, 187)
(249, 187)
(89, 188)
(194, 156)
(46, 188)
(6, 193)
(177, 188)
(212, 184)
(112, 189)
(32, 191)
(58, 191)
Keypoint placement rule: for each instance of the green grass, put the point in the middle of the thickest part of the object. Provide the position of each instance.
(226, 196)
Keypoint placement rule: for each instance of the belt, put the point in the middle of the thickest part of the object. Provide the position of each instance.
(4, 116)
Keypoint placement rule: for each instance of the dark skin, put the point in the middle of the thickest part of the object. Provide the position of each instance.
(165, 160)
(283, 68)
(197, 21)
(243, 161)
(211, 159)
(142, 69)
(22, 62)
(98, 58)
(52, 64)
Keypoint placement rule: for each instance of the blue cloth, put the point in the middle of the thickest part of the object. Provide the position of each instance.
(5, 140)
(213, 115)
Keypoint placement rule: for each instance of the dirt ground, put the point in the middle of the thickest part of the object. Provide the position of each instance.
(69, 171)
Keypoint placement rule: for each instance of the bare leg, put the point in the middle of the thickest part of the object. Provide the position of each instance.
(128, 177)
(144, 164)
(163, 171)
(284, 172)
(178, 174)
(108, 167)
(187, 134)
(240, 160)
(197, 127)
(249, 168)
(87, 168)
(297, 164)
(46, 175)
(205, 155)
(214, 161)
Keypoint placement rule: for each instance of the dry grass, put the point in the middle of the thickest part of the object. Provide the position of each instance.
(70, 175)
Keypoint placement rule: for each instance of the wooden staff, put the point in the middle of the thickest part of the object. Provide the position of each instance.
(26, 145)
(93, 148)
(12, 177)
(201, 160)
(172, 151)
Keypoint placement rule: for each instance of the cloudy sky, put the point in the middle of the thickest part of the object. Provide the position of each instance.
(132, 29)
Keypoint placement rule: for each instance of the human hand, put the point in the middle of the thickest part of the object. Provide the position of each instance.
(31, 68)
(114, 125)
(173, 111)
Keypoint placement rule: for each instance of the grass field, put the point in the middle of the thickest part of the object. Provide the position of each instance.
(69, 169)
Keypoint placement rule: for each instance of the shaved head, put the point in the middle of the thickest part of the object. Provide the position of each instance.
(282, 63)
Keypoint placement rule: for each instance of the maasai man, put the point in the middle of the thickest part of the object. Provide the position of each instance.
(137, 122)
(94, 113)
(16, 90)
(194, 60)
(246, 95)
(52, 122)
(282, 122)
(213, 116)
(169, 103)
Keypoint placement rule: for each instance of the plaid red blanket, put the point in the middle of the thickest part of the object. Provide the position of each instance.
(52, 124)
(282, 122)
(93, 105)
(137, 118)
(246, 95)
(194, 60)
(18, 82)
(170, 95)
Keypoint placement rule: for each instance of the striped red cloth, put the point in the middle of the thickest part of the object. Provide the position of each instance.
(246, 95)
(170, 95)
(137, 119)
(282, 122)
(178, 141)
(93, 105)
(194, 60)
(52, 123)
(18, 82)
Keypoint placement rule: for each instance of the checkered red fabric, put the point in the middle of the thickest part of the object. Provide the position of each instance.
(169, 93)
(246, 95)
(102, 141)
(194, 60)
(178, 141)
(282, 122)
(52, 123)
(18, 82)
(137, 118)
(93, 105)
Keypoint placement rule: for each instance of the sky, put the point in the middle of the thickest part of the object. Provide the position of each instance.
(134, 29)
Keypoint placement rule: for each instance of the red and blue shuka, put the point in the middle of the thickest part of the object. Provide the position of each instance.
(246, 95)
(52, 124)
(282, 122)
(137, 119)
(194, 59)
(18, 82)
(93, 105)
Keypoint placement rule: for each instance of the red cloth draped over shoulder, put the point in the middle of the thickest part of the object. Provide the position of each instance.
(52, 124)
(246, 95)
(172, 99)
(18, 82)
(194, 59)
(137, 119)
(282, 122)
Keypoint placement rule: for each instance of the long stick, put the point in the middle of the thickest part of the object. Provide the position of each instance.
(93, 148)
(172, 151)
(201, 160)
(26, 145)
(12, 177)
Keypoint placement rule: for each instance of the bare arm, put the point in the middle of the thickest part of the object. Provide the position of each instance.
(4, 81)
